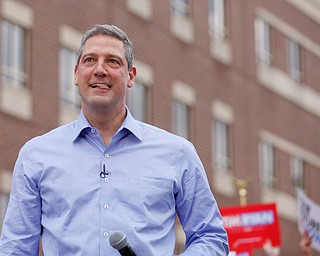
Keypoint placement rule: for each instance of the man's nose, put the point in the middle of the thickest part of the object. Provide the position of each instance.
(101, 68)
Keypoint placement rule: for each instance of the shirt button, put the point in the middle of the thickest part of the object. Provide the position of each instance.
(106, 180)
(93, 130)
(105, 234)
(106, 206)
(106, 155)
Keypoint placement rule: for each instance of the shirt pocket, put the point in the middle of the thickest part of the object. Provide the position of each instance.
(151, 200)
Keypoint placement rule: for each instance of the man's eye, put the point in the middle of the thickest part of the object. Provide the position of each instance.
(88, 60)
(113, 62)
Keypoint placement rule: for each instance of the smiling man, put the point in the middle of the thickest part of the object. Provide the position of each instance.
(106, 171)
(103, 73)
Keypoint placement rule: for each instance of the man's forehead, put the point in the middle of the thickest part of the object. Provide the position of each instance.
(105, 45)
(103, 38)
(104, 42)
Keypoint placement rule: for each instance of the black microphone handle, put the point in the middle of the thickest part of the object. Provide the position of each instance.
(127, 251)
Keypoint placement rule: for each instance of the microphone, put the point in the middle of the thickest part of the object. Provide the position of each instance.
(104, 173)
(118, 241)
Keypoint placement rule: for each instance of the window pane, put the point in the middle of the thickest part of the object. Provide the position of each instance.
(4, 199)
(13, 61)
(69, 94)
(18, 48)
(221, 150)
(263, 46)
(181, 119)
(297, 171)
(267, 164)
(136, 101)
(5, 38)
(294, 60)
(180, 7)
(217, 24)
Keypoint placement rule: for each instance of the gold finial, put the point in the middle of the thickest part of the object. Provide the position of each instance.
(242, 185)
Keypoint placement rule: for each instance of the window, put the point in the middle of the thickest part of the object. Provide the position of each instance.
(294, 60)
(13, 52)
(217, 21)
(181, 119)
(4, 200)
(180, 7)
(297, 171)
(184, 98)
(69, 94)
(137, 102)
(181, 23)
(221, 148)
(15, 90)
(263, 43)
(267, 164)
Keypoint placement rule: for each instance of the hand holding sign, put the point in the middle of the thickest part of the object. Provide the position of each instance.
(305, 244)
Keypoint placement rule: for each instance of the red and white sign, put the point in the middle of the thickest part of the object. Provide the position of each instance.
(251, 226)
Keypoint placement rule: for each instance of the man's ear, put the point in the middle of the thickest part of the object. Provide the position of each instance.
(75, 74)
(132, 76)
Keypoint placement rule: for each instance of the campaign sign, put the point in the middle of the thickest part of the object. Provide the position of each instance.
(251, 226)
(309, 218)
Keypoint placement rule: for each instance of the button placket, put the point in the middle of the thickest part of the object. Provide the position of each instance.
(105, 201)
(104, 173)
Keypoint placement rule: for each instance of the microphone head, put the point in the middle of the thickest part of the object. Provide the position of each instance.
(118, 240)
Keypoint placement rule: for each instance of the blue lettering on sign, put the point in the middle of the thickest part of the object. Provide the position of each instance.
(257, 218)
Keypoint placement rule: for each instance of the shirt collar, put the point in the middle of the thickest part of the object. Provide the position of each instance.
(129, 123)
(132, 125)
(79, 125)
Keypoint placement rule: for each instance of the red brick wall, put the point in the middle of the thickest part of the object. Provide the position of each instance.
(255, 107)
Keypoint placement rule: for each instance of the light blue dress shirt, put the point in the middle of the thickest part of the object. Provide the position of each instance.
(149, 176)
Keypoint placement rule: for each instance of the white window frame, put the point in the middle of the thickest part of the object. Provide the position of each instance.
(220, 136)
(294, 60)
(137, 101)
(217, 19)
(267, 164)
(263, 40)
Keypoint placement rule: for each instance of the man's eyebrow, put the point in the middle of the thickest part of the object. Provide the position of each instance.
(86, 55)
(114, 55)
(108, 55)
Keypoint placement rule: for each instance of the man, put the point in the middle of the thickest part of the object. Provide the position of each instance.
(79, 183)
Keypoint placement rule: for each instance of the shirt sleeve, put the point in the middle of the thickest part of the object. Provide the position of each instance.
(198, 211)
(22, 224)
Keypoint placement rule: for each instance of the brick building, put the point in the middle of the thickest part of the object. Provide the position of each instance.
(238, 78)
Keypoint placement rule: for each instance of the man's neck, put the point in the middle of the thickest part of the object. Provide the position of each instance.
(107, 122)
